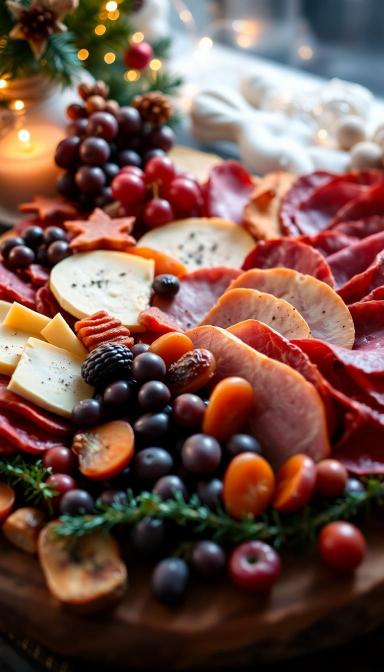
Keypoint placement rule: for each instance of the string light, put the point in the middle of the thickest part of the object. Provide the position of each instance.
(137, 37)
(17, 105)
(25, 138)
(3, 84)
(109, 57)
(113, 16)
(205, 44)
(132, 75)
(305, 52)
(82, 54)
(100, 29)
(111, 6)
(155, 64)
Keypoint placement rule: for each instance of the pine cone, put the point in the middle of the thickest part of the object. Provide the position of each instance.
(88, 89)
(154, 107)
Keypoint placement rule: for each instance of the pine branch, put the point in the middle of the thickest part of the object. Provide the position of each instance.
(29, 478)
(277, 529)
(60, 60)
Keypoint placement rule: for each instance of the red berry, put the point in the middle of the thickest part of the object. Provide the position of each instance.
(254, 566)
(132, 170)
(157, 212)
(331, 478)
(160, 170)
(128, 188)
(342, 546)
(184, 194)
(62, 483)
(60, 460)
(138, 56)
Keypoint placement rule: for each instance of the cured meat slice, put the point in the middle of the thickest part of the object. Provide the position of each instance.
(356, 258)
(361, 228)
(227, 191)
(47, 305)
(157, 321)
(300, 191)
(38, 275)
(327, 316)
(289, 417)
(289, 253)
(198, 292)
(328, 242)
(26, 437)
(363, 283)
(237, 305)
(368, 317)
(261, 214)
(13, 288)
(370, 203)
(375, 295)
(25, 409)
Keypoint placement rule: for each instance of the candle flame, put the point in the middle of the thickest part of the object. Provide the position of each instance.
(18, 105)
(24, 136)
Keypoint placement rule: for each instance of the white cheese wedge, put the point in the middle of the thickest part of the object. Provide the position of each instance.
(12, 343)
(20, 317)
(4, 308)
(201, 242)
(103, 280)
(59, 333)
(50, 377)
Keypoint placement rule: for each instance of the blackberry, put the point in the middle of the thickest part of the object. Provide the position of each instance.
(107, 363)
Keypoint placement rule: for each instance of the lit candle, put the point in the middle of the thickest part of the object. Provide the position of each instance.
(27, 166)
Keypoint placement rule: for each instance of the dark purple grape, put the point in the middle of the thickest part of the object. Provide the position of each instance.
(152, 426)
(151, 464)
(128, 157)
(104, 198)
(66, 186)
(170, 580)
(169, 486)
(87, 413)
(148, 535)
(210, 492)
(354, 486)
(153, 396)
(201, 454)
(94, 151)
(160, 138)
(9, 243)
(21, 256)
(111, 170)
(242, 443)
(33, 236)
(129, 121)
(90, 179)
(151, 154)
(208, 558)
(41, 255)
(166, 284)
(103, 125)
(111, 497)
(67, 152)
(118, 395)
(139, 348)
(188, 410)
(148, 366)
(58, 251)
(77, 503)
(76, 111)
(77, 127)
(53, 233)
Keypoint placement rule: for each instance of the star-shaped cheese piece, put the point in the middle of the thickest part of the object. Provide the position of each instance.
(49, 206)
(101, 232)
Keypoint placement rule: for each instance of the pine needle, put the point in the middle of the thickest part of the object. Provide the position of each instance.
(29, 478)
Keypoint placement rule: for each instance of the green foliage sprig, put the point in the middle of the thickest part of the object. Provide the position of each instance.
(28, 477)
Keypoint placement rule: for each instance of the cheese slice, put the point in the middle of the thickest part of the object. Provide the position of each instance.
(59, 333)
(4, 308)
(25, 319)
(117, 282)
(50, 377)
(12, 344)
(201, 242)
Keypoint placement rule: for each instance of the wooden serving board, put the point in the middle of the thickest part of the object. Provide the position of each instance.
(215, 628)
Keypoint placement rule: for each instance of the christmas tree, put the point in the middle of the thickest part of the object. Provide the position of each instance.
(59, 38)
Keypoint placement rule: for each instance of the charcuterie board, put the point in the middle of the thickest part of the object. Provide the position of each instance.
(217, 627)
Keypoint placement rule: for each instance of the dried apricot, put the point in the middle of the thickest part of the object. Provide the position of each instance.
(228, 408)
(164, 263)
(23, 526)
(295, 483)
(170, 347)
(105, 450)
(249, 484)
(191, 372)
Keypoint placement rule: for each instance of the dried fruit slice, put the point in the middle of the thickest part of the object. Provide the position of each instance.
(228, 408)
(191, 372)
(325, 312)
(23, 526)
(105, 450)
(241, 304)
(87, 575)
(170, 347)
(164, 263)
(261, 214)
(102, 327)
(201, 241)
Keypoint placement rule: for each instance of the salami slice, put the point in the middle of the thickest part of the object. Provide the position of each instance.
(38, 275)
(289, 253)
(227, 191)
(328, 242)
(300, 191)
(198, 292)
(356, 258)
(361, 228)
(363, 283)
(369, 203)
(368, 318)
(47, 305)
(13, 288)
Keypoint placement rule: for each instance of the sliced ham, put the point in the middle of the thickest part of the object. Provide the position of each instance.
(364, 283)
(241, 304)
(326, 314)
(289, 416)
(198, 292)
(356, 258)
(289, 253)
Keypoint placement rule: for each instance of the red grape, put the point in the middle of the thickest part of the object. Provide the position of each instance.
(331, 478)
(60, 460)
(128, 157)
(90, 179)
(77, 127)
(129, 121)
(102, 124)
(160, 170)
(254, 566)
(128, 188)
(157, 212)
(342, 546)
(76, 111)
(94, 151)
(133, 170)
(67, 152)
(184, 194)
(188, 410)
(62, 483)
(160, 138)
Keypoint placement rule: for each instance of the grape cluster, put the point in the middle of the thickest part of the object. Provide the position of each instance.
(36, 245)
(158, 194)
(102, 138)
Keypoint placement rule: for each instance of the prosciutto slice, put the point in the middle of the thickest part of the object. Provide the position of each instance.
(361, 228)
(300, 191)
(356, 258)
(289, 416)
(364, 283)
(368, 317)
(13, 288)
(227, 191)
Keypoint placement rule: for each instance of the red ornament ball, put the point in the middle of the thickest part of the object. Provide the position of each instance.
(137, 56)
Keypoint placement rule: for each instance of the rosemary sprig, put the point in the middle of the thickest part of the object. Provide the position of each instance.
(30, 477)
(273, 527)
